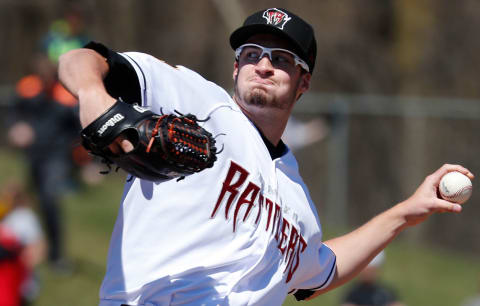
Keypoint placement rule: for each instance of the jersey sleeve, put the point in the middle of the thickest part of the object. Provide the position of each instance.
(167, 88)
(325, 272)
(121, 81)
(141, 78)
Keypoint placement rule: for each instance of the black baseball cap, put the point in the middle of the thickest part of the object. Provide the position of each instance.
(281, 22)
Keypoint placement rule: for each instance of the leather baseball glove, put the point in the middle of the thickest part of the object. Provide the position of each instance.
(165, 146)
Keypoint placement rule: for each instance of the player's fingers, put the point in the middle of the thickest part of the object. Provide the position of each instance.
(121, 145)
(437, 175)
(446, 206)
(115, 148)
(126, 145)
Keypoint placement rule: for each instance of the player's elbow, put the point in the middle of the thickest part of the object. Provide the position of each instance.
(67, 57)
(66, 61)
(72, 56)
(80, 63)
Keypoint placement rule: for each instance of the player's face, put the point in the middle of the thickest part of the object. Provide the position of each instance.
(268, 82)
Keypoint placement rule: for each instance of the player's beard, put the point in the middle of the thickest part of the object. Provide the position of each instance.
(259, 97)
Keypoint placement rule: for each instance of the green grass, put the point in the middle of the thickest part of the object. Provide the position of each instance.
(423, 275)
(90, 216)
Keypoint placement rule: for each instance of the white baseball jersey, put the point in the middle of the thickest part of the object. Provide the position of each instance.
(244, 232)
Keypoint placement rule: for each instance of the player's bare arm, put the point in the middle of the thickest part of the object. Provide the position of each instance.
(82, 71)
(369, 239)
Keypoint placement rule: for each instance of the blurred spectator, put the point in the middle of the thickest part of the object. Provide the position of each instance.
(44, 126)
(368, 290)
(66, 33)
(22, 247)
(44, 123)
(473, 300)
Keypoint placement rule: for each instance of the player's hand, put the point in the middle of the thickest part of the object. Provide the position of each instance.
(426, 201)
(121, 145)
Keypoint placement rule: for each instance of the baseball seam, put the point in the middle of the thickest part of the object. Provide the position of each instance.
(458, 193)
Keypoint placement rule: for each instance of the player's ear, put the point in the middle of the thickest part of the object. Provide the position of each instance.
(304, 84)
(235, 70)
(305, 81)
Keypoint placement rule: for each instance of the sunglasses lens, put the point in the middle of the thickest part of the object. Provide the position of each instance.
(280, 58)
(251, 52)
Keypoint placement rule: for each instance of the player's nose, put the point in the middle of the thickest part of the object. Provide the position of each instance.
(264, 64)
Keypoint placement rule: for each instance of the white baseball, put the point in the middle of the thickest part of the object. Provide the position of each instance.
(455, 187)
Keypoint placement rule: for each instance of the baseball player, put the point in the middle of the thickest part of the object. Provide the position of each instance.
(243, 229)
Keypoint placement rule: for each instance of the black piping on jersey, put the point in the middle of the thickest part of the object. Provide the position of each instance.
(302, 294)
(143, 76)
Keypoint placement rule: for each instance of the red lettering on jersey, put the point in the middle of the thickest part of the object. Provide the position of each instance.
(248, 197)
(231, 187)
(283, 235)
(292, 244)
(302, 244)
(277, 217)
(269, 206)
(260, 207)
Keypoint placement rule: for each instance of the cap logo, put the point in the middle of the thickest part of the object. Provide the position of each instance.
(276, 17)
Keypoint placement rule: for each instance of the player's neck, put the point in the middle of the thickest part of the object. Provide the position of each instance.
(270, 121)
(271, 133)
(271, 128)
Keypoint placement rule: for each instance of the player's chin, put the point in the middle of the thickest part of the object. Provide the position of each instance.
(258, 97)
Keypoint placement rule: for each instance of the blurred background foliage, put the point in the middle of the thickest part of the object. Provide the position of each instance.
(395, 86)
(423, 47)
